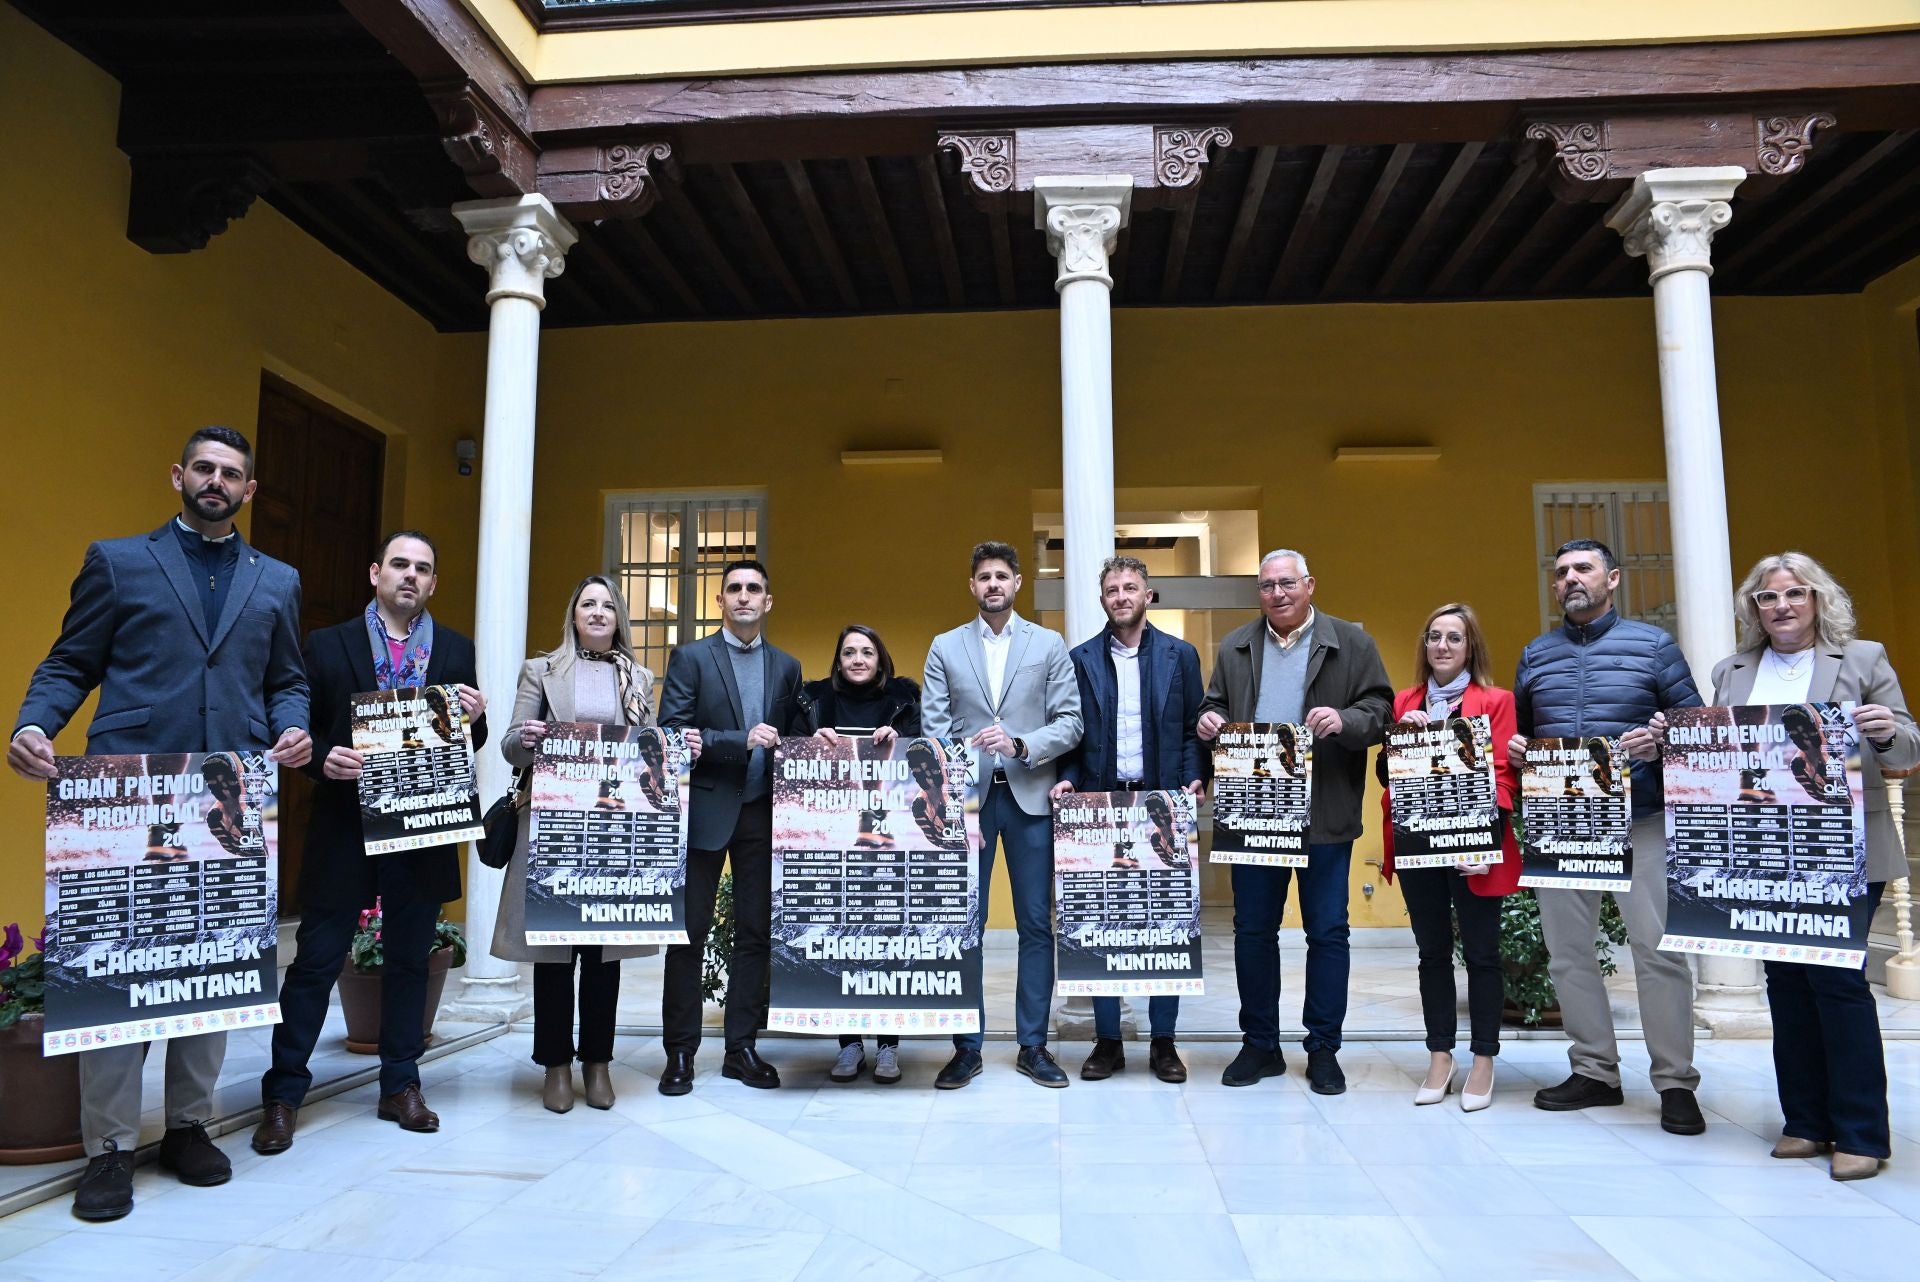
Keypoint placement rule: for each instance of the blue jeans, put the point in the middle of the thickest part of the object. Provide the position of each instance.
(1029, 842)
(1162, 1014)
(1259, 902)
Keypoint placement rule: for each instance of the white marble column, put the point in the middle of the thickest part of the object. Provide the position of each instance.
(1082, 216)
(521, 242)
(1670, 217)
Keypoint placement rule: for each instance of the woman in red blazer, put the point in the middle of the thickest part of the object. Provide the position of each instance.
(1455, 680)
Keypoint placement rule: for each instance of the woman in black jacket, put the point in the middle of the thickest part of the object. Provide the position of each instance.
(863, 697)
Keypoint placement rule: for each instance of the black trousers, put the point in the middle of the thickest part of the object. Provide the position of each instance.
(1434, 897)
(1828, 1063)
(320, 949)
(751, 855)
(553, 1008)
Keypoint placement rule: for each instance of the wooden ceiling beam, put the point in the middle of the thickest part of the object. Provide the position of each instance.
(1545, 228)
(935, 197)
(816, 220)
(1002, 255)
(1416, 239)
(1306, 219)
(350, 244)
(675, 199)
(1177, 240)
(1838, 231)
(605, 266)
(1816, 198)
(881, 230)
(1582, 250)
(1251, 197)
(1517, 181)
(635, 231)
(757, 231)
(1369, 217)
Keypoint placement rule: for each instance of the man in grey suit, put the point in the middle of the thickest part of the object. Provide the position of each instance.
(742, 695)
(193, 640)
(1008, 687)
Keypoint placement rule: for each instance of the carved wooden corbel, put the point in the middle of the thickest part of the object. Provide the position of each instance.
(495, 154)
(607, 180)
(178, 202)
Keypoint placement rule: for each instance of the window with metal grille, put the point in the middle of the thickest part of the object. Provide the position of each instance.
(666, 550)
(1630, 519)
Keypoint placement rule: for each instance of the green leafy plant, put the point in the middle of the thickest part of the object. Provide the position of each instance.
(369, 952)
(1523, 954)
(23, 980)
(713, 966)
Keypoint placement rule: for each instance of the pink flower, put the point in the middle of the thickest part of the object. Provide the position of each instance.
(13, 946)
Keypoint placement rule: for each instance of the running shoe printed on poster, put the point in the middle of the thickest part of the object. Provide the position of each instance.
(1443, 804)
(1766, 834)
(607, 837)
(417, 785)
(1576, 804)
(1127, 881)
(876, 889)
(1262, 794)
(162, 896)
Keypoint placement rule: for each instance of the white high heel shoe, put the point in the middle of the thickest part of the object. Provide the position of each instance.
(1434, 1094)
(1471, 1103)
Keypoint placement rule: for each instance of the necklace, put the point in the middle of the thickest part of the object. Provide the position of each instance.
(1790, 671)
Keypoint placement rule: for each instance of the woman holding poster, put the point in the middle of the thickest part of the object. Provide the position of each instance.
(1797, 645)
(863, 697)
(592, 677)
(1454, 679)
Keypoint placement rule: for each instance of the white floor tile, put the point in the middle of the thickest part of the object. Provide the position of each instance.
(716, 1253)
(1849, 1250)
(1527, 1249)
(1333, 1248)
(1135, 1245)
(1780, 1189)
(1662, 1249)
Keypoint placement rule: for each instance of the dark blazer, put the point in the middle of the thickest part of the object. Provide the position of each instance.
(701, 692)
(135, 629)
(1170, 687)
(335, 872)
(1344, 672)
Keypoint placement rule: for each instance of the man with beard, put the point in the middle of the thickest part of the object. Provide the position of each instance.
(1140, 695)
(1600, 674)
(396, 644)
(1007, 686)
(192, 639)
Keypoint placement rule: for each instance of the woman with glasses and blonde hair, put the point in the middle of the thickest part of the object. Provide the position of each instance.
(593, 676)
(1797, 645)
(1453, 679)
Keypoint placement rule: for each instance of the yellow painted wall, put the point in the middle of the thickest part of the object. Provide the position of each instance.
(110, 356)
(984, 37)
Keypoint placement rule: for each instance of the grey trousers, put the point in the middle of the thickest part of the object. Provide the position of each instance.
(1570, 920)
(110, 1088)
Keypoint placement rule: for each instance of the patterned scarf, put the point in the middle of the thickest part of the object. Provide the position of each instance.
(629, 674)
(1442, 698)
(412, 669)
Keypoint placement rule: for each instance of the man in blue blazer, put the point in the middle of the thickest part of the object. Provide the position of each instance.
(743, 695)
(1140, 692)
(192, 639)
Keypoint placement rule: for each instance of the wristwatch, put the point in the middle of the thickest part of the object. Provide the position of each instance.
(1020, 748)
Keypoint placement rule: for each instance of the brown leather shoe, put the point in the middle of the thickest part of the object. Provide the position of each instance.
(1854, 1166)
(275, 1132)
(1792, 1146)
(409, 1109)
(599, 1083)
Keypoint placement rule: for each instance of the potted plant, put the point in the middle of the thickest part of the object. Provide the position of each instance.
(360, 978)
(39, 1094)
(1531, 1001)
(713, 965)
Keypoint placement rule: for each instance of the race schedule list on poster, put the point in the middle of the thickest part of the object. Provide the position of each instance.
(1124, 897)
(1763, 837)
(900, 889)
(609, 843)
(132, 905)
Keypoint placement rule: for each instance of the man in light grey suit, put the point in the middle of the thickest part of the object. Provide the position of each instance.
(1008, 688)
(193, 640)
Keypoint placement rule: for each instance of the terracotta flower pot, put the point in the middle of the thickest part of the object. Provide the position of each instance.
(39, 1098)
(360, 1001)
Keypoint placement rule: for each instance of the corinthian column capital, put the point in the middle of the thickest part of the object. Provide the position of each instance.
(521, 241)
(1670, 216)
(1082, 218)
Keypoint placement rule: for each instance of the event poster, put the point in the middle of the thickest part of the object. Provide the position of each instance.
(1262, 794)
(876, 892)
(162, 897)
(1127, 879)
(417, 786)
(607, 841)
(1443, 804)
(1576, 801)
(1766, 834)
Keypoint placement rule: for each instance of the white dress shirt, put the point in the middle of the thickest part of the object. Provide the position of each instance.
(998, 646)
(1129, 735)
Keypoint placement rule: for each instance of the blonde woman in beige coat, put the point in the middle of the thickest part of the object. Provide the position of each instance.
(592, 677)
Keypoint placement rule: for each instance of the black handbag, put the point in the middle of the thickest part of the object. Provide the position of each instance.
(502, 824)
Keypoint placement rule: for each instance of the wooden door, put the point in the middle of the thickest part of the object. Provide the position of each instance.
(317, 509)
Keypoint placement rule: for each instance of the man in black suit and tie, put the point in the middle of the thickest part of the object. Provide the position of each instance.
(396, 644)
(192, 639)
(742, 695)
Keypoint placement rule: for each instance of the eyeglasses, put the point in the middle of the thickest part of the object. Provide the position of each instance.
(1767, 598)
(1451, 638)
(1269, 587)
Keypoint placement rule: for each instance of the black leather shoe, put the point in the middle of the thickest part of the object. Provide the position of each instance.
(1576, 1092)
(106, 1189)
(746, 1067)
(1323, 1073)
(1680, 1112)
(1038, 1063)
(275, 1132)
(1164, 1060)
(961, 1069)
(188, 1153)
(678, 1077)
(1109, 1057)
(1252, 1064)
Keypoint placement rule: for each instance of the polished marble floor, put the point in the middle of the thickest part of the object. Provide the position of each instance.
(1004, 1181)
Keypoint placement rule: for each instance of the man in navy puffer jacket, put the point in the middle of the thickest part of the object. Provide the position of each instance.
(1601, 674)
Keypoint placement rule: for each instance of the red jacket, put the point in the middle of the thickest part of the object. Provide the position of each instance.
(1496, 705)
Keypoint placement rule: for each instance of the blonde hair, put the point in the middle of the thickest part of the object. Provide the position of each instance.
(561, 661)
(1833, 622)
(1479, 665)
